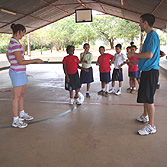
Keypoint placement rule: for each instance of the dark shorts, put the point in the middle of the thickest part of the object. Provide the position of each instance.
(133, 74)
(105, 77)
(147, 87)
(117, 75)
(74, 83)
(86, 77)
(138, 74)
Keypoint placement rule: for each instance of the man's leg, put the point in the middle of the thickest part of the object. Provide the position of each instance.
(150, 111)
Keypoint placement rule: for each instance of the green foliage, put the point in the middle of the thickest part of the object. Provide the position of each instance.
(66, 31)
(4, 41)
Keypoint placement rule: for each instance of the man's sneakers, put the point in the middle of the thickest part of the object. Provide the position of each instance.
(18, 123)
(148, 129)
(142, 118)
(118, 92)
(26, 117)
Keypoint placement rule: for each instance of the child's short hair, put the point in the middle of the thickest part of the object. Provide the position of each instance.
(129, 47)
(119, 46)
(132, 43)
(102, 47)
(133, 46)
(69, 47)
(85, 45)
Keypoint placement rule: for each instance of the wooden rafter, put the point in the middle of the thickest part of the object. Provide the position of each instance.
(101, 6)
(157, 6)
(24, 15)
(165, 20)
(122, 4)
(82, 4)
(51, 4)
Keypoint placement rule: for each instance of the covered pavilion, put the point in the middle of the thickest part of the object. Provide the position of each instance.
(99, 133)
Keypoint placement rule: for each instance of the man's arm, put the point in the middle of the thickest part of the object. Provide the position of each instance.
(144, 55)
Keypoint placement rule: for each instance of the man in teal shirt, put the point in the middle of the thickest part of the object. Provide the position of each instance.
(149, 65)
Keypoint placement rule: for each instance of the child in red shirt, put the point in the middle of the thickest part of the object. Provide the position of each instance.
(72, 81)
(104, 61)
(132, 72)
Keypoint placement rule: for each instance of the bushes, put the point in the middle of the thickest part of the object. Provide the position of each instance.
(3, 48)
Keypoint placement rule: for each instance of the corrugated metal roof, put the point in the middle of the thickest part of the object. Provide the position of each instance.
(39, 13)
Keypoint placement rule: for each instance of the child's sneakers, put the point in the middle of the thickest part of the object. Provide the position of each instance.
(100, 92)
(129, 90)
(78, 102)
(111, 91)
(87, 95)
(118, 92)
(19, 123)
(105, 94)
(26, 117)
(71, 101)
(142, 118)
(81, 97)
(148, 129)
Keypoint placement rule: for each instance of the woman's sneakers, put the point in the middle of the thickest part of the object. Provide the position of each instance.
(18, 123)
(26, 117)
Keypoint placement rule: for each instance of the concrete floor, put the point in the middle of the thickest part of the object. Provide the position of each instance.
(102, 132)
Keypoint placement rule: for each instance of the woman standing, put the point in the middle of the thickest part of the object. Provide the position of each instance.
(17, 73)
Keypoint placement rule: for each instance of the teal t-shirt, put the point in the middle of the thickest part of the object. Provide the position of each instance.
(151, 44)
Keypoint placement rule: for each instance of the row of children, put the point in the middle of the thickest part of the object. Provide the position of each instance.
(74, 82)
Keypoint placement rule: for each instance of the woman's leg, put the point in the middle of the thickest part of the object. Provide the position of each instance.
(17, 92)
(21, 101)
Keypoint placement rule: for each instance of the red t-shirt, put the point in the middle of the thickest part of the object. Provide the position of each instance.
(104, 62)
(133, 67)
(71, 62)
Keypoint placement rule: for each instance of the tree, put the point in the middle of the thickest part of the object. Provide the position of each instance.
(127, 29)
(106, 28)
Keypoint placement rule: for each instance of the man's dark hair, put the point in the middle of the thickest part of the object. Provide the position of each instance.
(119, 46)
(102, 47)
(69, 47)
(150, 18)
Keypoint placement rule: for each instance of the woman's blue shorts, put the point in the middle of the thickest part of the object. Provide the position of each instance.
(18, 79)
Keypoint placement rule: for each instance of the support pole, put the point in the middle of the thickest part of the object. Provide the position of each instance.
(28, 46)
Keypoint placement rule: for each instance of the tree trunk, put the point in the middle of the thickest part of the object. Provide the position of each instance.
(63, 45)
(41, 48)
(132, 38)
(51, 46)
(111, 41)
